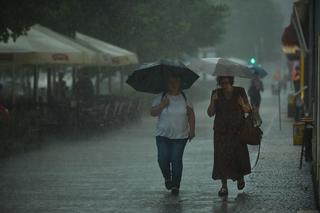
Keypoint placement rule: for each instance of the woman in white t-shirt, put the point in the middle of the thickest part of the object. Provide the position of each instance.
(176, 124)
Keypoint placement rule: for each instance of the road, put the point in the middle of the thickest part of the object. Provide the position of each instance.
(118, 172)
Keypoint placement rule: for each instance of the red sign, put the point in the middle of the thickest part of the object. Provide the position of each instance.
(116, 60)
(60, 57)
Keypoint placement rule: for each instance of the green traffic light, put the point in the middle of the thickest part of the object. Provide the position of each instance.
(252, 60)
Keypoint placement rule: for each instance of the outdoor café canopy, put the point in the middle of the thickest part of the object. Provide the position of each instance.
(44, 46)
(110, 55)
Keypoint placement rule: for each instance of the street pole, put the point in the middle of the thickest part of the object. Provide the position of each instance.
(279, 104)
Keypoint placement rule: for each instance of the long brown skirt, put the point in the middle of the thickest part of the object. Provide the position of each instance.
(231, 158)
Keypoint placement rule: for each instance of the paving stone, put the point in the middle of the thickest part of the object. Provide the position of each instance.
(118, 172)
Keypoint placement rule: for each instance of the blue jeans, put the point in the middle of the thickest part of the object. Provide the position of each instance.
(170, 152)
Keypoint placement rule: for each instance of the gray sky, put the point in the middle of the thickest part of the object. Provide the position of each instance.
(286, 7)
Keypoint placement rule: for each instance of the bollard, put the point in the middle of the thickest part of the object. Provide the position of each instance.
(291, 106)
(298, 129)
(306, 147)
(307, 138)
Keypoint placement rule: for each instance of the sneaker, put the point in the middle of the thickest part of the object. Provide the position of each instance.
(175, 190)
(168, 184)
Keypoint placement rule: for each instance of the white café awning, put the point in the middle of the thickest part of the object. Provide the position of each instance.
(44, 46)
(109, 54)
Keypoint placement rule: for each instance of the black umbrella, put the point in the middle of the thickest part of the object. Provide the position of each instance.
(152, 77)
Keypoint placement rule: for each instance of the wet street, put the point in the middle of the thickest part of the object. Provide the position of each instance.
(119, 173)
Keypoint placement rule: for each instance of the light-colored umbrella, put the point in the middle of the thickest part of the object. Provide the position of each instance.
(220, 67)
(108, 54)
(238, 60)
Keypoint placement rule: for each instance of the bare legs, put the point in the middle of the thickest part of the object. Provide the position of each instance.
(224, 189)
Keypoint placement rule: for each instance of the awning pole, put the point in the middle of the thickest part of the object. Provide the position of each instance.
(74, 76)
(13, 83)
(98, 79)
(110, 83)
(35, 83)
(121, 79)
(302, 71)
(49, 85)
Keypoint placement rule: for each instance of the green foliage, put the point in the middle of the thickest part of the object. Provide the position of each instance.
(154, 29)
(165, 29)
(17, 16)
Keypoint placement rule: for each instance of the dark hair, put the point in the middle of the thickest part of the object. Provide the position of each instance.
(230, 78)
(174, 75)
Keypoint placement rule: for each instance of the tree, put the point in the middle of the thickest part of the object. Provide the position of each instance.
(153, 29)
(166, 29)
(17, 16)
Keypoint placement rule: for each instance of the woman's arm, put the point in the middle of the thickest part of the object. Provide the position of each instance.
(191, 121)
(246, 107)
(244, 102)
(211, 109)
(156, 110)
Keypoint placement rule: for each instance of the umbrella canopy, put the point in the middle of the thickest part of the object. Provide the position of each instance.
(152, 77)
(258, 69)
(238, 60)
(43, 46)
(220, 67)
(108, 54)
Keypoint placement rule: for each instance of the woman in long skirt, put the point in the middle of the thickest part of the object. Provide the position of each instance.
(231, 157)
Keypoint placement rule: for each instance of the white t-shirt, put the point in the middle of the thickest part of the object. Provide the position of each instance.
(173, 120)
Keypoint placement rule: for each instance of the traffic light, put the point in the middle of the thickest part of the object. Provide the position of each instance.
(253, 60)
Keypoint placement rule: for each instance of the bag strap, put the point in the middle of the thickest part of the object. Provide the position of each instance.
(184, 96)
(259, 149)
(250, 118)
(257, 159)
(163, 94)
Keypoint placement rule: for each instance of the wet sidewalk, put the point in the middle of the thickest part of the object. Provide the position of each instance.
(119, 173)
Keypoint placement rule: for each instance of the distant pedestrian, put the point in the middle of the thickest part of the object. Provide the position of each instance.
(84, 89)
(176, 124)
(296, 79)
(255, 88)
(62, 89)
(231, 157)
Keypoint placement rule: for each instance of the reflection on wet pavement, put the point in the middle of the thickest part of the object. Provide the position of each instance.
(118, 172)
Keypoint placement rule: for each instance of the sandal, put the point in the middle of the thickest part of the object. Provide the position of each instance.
(241, 184)
(223, 192)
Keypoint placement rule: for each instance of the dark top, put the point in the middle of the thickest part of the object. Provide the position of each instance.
(229, 114)
(255, 88)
